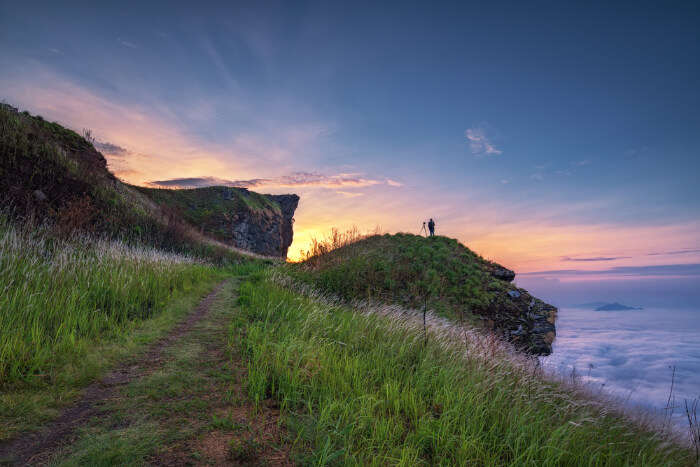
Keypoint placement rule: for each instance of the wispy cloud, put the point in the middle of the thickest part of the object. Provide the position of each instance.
(582, 162)
(505, 181)
(127, 43)
(391, 182)
(350, 194)
(219, 62)
(686, 251)
(296, 179)
(479, 142)
(537, 176)
(110, 149)
(634, 153)
(594, 259)
(692, 270)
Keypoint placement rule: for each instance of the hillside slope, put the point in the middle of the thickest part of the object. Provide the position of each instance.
(50, 173)
(438, 272)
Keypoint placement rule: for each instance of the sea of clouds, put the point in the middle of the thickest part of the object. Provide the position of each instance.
(632, 354)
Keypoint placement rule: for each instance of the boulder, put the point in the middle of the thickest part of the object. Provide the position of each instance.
(522, 319)
(503, 274)
(39, 195)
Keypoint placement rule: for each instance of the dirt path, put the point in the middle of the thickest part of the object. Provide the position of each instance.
(226, 428)
(181, 402)
(32, 448)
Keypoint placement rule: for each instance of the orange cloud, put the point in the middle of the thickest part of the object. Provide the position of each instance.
(296, 179)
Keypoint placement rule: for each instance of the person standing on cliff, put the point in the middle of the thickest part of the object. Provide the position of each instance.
(431, 227)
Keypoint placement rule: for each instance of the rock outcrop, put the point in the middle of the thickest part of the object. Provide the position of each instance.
(504, 274)
(522, 319)
(241, 218)
(288, 204)
(266, 232)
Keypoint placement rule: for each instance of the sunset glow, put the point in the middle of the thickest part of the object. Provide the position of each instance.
(502, 165)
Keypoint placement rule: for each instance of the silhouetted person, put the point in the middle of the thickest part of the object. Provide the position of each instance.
(431, 227)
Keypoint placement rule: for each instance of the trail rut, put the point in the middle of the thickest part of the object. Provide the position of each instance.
(37, 447)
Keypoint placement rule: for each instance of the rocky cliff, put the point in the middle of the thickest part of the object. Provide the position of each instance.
(525, 320)
(267, 232)
(251, 221)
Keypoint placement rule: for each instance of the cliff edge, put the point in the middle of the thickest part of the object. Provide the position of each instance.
(238, 217)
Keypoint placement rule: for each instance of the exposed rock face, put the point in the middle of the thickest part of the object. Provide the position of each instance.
(288, 204)
(266, 232)
(504, 274)
(526, 321)
(245, 219)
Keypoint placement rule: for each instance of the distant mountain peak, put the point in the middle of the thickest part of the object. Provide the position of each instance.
(616, 307)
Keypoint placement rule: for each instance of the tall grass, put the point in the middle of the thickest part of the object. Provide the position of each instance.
(58, 293)
(365, 389)
(332, 241)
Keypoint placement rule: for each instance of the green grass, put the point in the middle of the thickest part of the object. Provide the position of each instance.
(364, 390)
(167, 413)
(25, 405)
(59, 294)
(125, 446)
(71, 309)
(199, 204)
(436, 273)
(407, 269)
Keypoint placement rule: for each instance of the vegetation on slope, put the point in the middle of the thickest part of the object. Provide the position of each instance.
(70, 309)
(353, 388)
(406, 268)
(59, 294)
(51, 173)
(198, 205)
(190, 410)
(435, 272)
(366, 389)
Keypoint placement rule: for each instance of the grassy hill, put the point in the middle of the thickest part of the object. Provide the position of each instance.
(84, 261)
(49, 173)
(437, 272)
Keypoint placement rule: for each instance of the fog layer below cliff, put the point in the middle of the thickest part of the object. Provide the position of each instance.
(632, 353)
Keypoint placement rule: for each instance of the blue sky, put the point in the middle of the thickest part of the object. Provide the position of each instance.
(538, 133)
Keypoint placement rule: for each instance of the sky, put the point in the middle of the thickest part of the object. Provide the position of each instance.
(558, 138)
